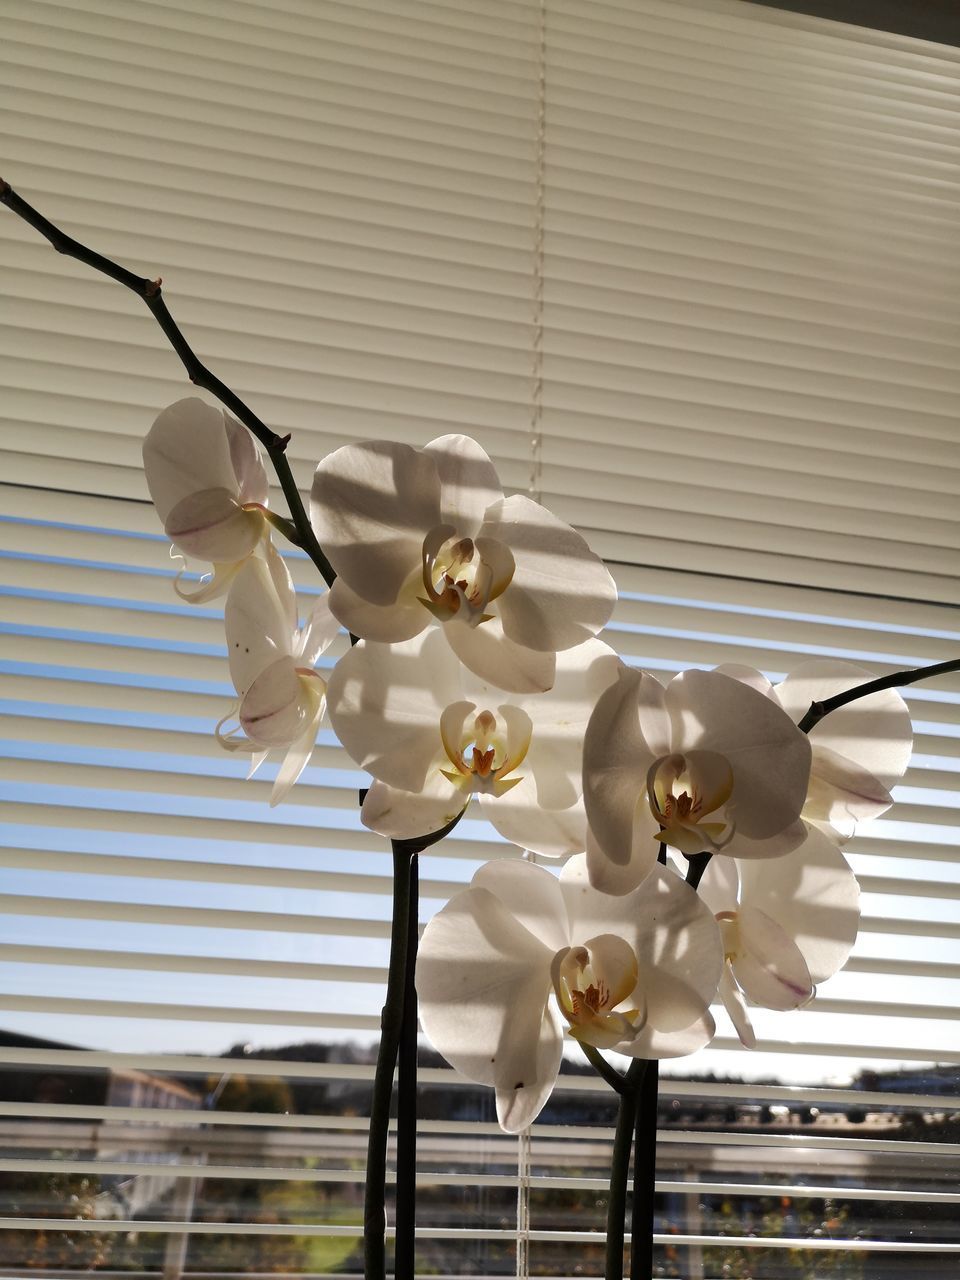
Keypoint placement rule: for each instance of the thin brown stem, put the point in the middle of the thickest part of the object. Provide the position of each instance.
(896, 680)
(150, 293)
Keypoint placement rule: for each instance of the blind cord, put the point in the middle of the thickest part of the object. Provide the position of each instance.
(535, 486)
(535, 490)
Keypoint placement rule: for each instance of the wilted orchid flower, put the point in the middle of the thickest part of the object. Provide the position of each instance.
(271, 659)
(418, 535)
(697, 765)
(859, 751)
(433, 734)
(787, 923)
(633, 973)
(209, 486)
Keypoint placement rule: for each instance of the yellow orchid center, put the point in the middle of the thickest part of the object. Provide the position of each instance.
(590, 982)
(484, 749)
(462, 576)
(684, 791)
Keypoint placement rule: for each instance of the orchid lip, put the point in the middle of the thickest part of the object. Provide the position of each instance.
(590, 983)
(458, 581)
(484, 754)
(683, 791)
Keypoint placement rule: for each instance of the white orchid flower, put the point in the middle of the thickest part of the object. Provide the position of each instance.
(699, 764)
(633, 973)
(432, 735)
(281, 696)
(209, 486)
(787, 924)
(860, 751)
(418, 535)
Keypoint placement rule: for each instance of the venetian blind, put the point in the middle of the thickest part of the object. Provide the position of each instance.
(724, 238)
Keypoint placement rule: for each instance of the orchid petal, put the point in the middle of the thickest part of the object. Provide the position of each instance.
(519, 818)
(785, 841)
(319, 632)
(874, 732)
(468, 482)
(403, 815)
(211, 525)
(561, 593)
(386, 623)
(280, 705)
(532, 895)
(253, 484)
(719, 887)
(256, 760)
(274, 708)
(187, 450)
(841, 792)
(736, 1007)
(518, 1108)
(385, 703)
(614, 965)
(591, 910)
(627, 730)
(283, 588)
(497, 566)
(257, 624)
(212, 585)
(560, 717)
(301, 748)
(618, 878)
(489, 654)
(769, 965)
(650, 1042)
(813, 896)
(372, 505)
(749, 676)
(674, 936)
(679, 950)
(769, 755)
(483, 981)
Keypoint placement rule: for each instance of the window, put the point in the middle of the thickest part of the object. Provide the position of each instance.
(724, 238)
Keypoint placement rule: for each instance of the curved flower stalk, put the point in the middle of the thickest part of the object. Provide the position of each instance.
(859, 751)
(423, 535)
(209, 486)
(787, 924)
(433, 735)
(281, 697)
(634, 973)
(705, 764)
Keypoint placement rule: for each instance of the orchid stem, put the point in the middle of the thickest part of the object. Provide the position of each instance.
(406, 1201)
(400, 971)
(644, 1175)
(697, 864)
(149, 292)
(620, 1168)
(603, 1068)
(896, 680)
(374, 1204)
